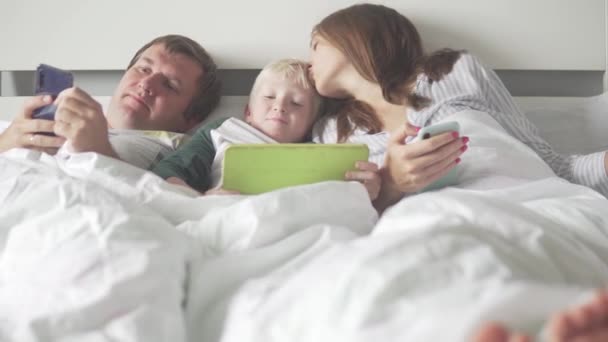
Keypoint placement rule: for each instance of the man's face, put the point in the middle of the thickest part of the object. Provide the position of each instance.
(154, 93)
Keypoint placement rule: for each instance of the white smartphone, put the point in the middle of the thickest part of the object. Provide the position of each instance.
(427, 132)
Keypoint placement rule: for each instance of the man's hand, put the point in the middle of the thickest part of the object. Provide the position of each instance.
(23, 131)
(80, 119)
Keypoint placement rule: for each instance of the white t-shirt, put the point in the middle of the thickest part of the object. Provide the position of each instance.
(136, 147)
(232, 131)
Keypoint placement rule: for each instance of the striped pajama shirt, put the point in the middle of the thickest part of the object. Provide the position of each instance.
(472, 86)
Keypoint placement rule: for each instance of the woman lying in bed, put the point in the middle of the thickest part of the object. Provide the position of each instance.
(371, 58)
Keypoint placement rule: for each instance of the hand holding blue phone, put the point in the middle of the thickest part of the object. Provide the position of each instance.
(50, 81)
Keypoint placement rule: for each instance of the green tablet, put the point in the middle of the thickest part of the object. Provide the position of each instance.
(257, 168)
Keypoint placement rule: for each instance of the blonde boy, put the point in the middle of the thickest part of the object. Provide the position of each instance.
(283, 106)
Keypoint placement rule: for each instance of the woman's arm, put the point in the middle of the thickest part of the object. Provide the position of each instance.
(589, 170)
(389, 193)
(472, 85)
(409, 168)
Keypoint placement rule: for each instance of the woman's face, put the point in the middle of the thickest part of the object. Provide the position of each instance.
(330, 69)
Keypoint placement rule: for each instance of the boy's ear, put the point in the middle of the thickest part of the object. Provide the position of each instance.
(247, 112)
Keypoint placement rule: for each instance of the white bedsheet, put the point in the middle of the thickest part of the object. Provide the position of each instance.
(512, 243)
(93, 249)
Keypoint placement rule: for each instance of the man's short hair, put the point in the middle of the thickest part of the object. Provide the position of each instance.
(207, 97)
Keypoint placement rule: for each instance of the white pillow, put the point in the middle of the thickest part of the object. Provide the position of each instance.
(570, 124)
(576, 125)
(230, 106)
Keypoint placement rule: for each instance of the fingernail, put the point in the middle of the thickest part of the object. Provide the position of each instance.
(464, 148)
(465, 140)
(457, 160)
(46, 98)
(416, 128)
(455, 134)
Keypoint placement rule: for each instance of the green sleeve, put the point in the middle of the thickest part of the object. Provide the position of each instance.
(192, 161)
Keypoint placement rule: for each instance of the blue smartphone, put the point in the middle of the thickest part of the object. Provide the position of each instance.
(427, 132)
(50, 81)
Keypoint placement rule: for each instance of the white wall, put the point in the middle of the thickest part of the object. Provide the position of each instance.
(606, 36)
(102, 35)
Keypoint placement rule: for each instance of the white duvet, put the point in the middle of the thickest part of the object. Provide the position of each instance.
(96, 250)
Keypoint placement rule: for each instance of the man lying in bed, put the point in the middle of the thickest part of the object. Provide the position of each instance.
(170, 85)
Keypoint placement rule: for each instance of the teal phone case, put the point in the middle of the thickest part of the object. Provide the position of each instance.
(451, 177)
(258, 168)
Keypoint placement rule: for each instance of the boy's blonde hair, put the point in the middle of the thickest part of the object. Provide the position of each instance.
(294, 70)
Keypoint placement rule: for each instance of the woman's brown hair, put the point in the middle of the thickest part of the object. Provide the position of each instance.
(385, 48)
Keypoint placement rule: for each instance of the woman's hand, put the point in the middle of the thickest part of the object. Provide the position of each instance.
(23, 131)
(368, 175)
(409, 168)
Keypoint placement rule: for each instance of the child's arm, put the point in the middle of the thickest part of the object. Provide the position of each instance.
(191, 163)
(214, 191)
(368, 176)
(220, 191)
(178, 181)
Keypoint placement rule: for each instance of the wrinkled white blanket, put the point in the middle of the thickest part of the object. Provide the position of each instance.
(93, 249)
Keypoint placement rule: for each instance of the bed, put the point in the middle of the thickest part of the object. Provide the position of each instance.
(93, 249)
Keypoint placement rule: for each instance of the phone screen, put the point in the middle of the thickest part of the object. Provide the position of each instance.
(50, 81)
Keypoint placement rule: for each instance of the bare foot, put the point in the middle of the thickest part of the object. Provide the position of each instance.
(495, 332)
(587, 323)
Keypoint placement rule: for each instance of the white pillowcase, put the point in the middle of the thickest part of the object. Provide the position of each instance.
(570, 124)
(576, 125)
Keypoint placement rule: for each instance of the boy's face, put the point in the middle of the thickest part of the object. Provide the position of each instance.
(282, 109)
